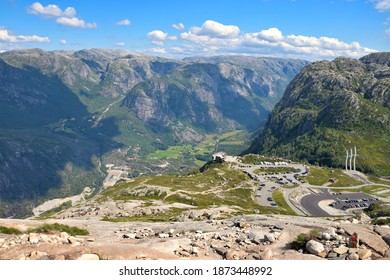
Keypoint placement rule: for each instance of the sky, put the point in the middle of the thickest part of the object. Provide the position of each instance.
(306, 29)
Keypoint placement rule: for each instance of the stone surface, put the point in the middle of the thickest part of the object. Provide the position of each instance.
(325, 236)
(267, 254)
(341, 250)
(89, 257)
(382, 230)
(37, 255)
(129, 235)
(269, 237)
(364, 254)
(314, 247)
(352, 257)
(367, 236)
(386, 238)
(33, 238)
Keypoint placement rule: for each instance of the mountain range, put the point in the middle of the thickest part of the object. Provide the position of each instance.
(65, 114)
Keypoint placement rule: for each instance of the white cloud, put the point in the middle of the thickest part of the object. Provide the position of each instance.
(63, 42)
(215, 38)
(120, 44)
(158, 37)
(388, 32)
(158, 50)
(179, 26)
(215, 29)
(271, 34)
(6, 36)
(382, 5)
(50, 10)
(123, 22)
(66, 17)
(75, 22)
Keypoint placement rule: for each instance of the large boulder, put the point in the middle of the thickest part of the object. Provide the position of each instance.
(314, 247)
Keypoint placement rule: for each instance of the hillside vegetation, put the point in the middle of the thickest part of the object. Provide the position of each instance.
(331, 107)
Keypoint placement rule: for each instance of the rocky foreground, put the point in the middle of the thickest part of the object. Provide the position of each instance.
(253, 237)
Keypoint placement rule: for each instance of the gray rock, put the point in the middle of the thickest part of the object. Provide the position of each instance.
(341, 250)
(163, 235)
(195, 250)
(33, 238)
(220, 251)
(325, 236)
(89, 257)
(64, 235)
(331, 231)
(267, 254)
(314, 247)
(257, 236)
(353, 257)
(37, 255)
(386, 238)
(129, 236)
(364, 254)
(269, 237)
(353, 250)
(332, 255)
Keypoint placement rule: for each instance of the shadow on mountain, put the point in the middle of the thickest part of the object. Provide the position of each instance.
(49, 145)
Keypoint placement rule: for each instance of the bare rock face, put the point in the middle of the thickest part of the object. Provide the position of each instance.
(210, 95)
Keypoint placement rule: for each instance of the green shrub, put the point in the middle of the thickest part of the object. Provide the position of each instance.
(46, 228)
(303, 238)
(7, 230)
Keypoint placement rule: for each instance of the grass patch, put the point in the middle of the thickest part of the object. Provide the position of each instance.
(174, 152)
(169, 216)
(290, 187)
(278, 198)
(9, 230)
(319, 176)
(269, 170)
(256, 159)
(367, 189)
(377, 180)
(46, 228)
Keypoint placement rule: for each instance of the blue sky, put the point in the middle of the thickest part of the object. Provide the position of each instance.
(309, 29)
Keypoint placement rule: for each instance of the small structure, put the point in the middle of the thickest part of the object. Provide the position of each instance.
(219, 157)
(333, 180)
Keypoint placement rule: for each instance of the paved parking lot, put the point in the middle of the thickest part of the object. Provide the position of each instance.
(342, 200)
(269, 182)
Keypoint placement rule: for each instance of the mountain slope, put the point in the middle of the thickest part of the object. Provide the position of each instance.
(62, 117)
(214, 94)
(330, 107)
